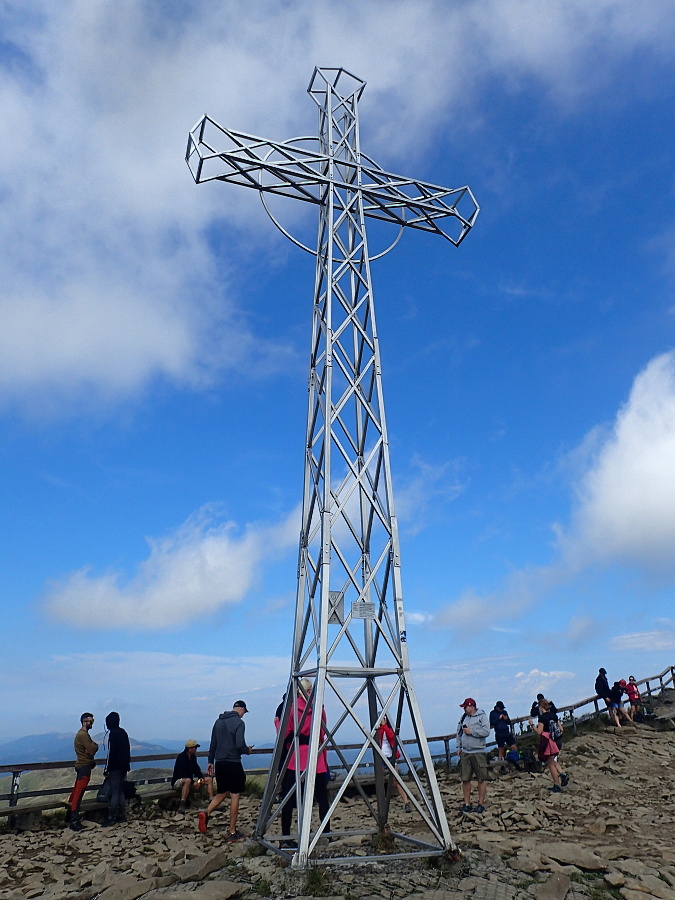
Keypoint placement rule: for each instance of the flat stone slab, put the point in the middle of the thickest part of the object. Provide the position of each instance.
(554, 888)
(574, 855)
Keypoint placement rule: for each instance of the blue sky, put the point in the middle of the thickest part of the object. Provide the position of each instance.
(154, 338)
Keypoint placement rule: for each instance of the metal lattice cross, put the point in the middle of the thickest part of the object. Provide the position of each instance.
(350, 636)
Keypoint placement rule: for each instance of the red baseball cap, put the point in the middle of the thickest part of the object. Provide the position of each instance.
(469, 702)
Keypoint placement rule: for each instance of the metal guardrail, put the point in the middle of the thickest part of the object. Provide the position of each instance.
(572, 715)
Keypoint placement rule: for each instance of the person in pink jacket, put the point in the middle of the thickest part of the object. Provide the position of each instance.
(321, 783)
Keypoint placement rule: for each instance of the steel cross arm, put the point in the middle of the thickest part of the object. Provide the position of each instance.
(306, 175)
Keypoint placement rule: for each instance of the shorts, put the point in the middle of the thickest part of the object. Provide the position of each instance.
(230, 777)
(616, 705)
(473, 765)
(504, 739)
(179, 782)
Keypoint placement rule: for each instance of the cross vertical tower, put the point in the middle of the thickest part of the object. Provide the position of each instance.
(350, 635)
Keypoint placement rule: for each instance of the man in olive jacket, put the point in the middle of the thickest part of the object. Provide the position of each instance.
(85, 751)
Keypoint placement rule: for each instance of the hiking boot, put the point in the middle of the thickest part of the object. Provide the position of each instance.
(108, 823)
(182, 807)
(556, 789)
(235, 836)
(480, 808)
(76, 825)
(407, 808)
(202, 822)
(288, 845)
(467, 808)
(564, 779)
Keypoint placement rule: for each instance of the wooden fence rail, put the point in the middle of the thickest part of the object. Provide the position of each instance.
(442, 747)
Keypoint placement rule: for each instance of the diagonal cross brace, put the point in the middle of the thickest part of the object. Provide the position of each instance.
(293, 171)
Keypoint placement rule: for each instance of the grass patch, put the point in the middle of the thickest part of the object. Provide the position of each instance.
(318, 882)
(254, 787)
(594, 886)
(263, 888)
(383, 842)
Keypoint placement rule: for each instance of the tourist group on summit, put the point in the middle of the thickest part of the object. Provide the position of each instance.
(228, 745)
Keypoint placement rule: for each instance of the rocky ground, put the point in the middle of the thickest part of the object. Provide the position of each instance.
(609, 834)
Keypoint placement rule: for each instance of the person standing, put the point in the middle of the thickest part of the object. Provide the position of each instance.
(501, 722)
(386, 738)
(549, 746)
(298, 715)
(117, 766)
(228, 744)
(85, 751)
(634, 698)
(472, 730)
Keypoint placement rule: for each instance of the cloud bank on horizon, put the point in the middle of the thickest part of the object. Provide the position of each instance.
(144, 385)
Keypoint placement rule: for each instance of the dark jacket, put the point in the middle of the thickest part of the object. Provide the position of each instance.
(119, 750)
(616, 693)
(227, 738)
(186, 766)
(503, 726)
(534, 712)
(602, 687)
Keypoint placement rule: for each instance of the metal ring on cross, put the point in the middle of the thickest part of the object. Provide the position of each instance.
(267, 209)
(287, 233)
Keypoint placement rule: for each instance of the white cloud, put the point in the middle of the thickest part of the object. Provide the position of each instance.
(157, 694)
(537, 682)
(512, 599)
(432, 485)
(418, 618)
(626, 499)
(624, 512)
(205, 564)
(649, 641)
(110, 280)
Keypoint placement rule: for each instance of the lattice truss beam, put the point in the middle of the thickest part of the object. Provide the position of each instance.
(350, 636)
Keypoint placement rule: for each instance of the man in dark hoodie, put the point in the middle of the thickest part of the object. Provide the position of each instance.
(117, 766)
(227, 746)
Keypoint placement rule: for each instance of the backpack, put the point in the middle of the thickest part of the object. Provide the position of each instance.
(555, 729)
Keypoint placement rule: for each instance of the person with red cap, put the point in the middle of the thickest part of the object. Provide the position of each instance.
(472, 730)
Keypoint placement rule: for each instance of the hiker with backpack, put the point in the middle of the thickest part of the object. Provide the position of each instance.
(500, 721)
(550, 734)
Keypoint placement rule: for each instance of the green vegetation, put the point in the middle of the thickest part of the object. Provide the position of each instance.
(594, 886)
(255, 786)
(263, 888)
(318, 882)
(383, 842)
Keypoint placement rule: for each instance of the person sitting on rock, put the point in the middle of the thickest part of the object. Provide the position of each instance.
(603, 690)
(187, 775)
(548, 747)
(616, 706)
(501, 722)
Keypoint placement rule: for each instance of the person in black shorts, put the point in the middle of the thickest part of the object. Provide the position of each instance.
(501, 722)
(227, 746)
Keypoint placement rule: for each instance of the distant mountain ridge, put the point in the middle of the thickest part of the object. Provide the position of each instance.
(57, 747)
